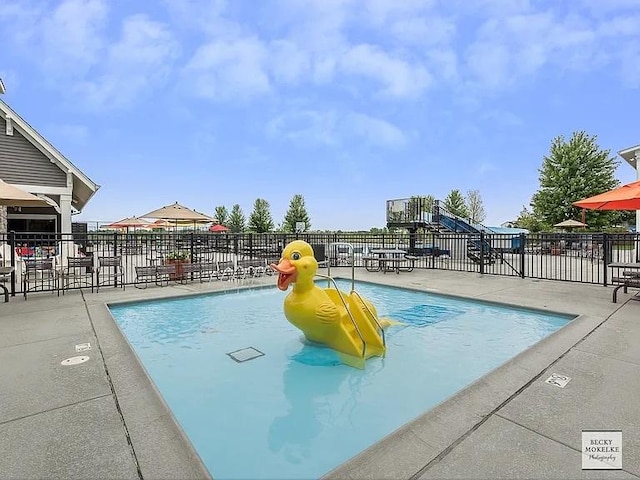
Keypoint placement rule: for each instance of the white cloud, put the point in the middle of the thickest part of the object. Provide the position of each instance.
(423, 31)
(599, 6)
(444, 63)
(312, 127)
(374, 131)
(518, 45)
(382, 11)
(625, 25)
(201, 15)
(318, 29)
(305, 126)
(289, 63)
(73, 35)
(399, 78)
(71, 45)
(141, 58)
(229, 69)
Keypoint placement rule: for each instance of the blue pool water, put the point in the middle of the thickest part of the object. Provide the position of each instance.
(295, 412)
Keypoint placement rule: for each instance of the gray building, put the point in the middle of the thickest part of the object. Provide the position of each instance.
(30, 162)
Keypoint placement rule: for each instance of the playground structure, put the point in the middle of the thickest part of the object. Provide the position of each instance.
(418, 213)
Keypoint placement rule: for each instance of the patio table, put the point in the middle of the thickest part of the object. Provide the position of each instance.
(630, 277)
(388, 260)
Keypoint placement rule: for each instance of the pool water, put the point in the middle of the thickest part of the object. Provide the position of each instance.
(296, 412)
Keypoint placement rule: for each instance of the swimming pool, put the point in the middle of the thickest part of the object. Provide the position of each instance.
(295, 412)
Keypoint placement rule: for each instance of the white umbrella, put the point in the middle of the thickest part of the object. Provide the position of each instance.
(570, 224)
(180, 213)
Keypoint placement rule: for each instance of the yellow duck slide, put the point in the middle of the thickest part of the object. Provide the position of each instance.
(347, 323)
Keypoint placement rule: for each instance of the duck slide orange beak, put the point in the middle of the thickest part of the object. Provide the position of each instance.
(286, 273)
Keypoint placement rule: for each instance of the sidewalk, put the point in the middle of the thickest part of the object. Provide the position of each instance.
(104, 419)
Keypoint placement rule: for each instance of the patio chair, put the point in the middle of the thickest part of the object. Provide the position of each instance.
(79, 271)
(39, 274)
(225, 270)
(110, 272)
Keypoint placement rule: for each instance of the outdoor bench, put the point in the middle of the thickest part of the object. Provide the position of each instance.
(630, 279)
(158, 273)
(190, 270)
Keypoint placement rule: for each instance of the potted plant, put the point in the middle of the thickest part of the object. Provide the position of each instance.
(177, 258)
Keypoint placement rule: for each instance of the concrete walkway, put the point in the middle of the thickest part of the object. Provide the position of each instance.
(104, 419)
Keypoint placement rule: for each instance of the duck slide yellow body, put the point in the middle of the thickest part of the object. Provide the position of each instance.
(344, 322)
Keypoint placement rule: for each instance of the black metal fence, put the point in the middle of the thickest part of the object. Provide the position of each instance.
(58, 262)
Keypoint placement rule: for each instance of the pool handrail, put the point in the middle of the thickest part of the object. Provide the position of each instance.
(344, 303)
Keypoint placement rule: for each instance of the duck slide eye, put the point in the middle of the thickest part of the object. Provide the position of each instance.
(295, 256)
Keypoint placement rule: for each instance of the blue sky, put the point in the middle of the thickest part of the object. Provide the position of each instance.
(347, 102)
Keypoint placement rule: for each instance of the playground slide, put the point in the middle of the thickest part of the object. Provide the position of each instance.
(349, 340)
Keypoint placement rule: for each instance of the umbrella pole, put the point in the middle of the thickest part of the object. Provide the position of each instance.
(584, 214)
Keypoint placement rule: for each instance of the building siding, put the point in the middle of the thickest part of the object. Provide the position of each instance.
(22, 163)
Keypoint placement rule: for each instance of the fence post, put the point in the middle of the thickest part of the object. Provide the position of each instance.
(12, 244)
(115, 244)
(605, 253)
(522, 260)
(481, 252)
(191, 247)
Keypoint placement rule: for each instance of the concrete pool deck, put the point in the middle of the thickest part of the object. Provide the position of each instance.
(104, 418)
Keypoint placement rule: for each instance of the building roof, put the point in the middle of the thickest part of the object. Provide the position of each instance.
(83, 187)
(631, 155)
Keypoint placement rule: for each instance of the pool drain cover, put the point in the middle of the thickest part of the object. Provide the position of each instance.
(245, 354)
(74, 360)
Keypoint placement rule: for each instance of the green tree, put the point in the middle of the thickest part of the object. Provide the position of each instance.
(222, 214)
(297, 213)
(572, 171)
(455, 203)
(236, 220)
(528, 220)
(475, 206)
(260, 220)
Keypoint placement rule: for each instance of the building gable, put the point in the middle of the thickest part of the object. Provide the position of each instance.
(22, 163)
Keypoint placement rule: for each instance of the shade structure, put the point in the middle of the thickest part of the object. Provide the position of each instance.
(626, 197)
(218, 228)
(129, 222)
(179, 213)
(570, 224)
(11, 196)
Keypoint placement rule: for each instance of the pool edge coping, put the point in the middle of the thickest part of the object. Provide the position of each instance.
(476, 402)
(406, 435)
(136, 393)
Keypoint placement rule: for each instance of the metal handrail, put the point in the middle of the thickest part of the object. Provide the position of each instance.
(353, 260)
(375, 319)
(355, 325)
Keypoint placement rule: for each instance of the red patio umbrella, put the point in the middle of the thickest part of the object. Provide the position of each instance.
(626, 197)
(218, 228)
